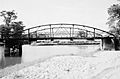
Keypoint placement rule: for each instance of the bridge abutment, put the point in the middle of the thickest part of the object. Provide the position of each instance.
(108, 44)
(117, 43)
(2, 56)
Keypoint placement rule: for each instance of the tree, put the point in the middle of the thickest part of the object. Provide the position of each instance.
(17, 29)
(9, 16)
(4, 30)
(114, 23)
(11, 29)
(114, 19)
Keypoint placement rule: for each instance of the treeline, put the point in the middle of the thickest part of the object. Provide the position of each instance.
(11, 29)
(114, 22)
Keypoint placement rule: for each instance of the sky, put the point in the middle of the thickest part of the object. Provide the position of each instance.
(40, 12)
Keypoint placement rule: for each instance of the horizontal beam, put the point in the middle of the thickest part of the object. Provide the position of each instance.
(47, 38)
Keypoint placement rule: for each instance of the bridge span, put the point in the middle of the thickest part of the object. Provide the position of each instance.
(61, 31)
(68, 31)
(64, 31)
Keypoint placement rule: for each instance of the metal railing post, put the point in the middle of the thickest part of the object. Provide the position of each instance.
(50, 30)
(94, 33)
(29, 36)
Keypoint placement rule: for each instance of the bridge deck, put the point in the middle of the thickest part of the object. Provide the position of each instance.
(49, 38)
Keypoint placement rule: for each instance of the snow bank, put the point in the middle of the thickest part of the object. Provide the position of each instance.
(104, 65)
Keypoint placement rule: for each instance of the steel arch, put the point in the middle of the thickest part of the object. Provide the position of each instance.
(73, 26)
(65, 27)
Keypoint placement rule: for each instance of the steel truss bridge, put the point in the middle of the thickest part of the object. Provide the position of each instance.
(64, 31)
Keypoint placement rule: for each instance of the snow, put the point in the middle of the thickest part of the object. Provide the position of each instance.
(102, 65)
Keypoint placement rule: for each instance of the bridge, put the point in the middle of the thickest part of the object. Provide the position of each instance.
(60, 31)
(64, 31)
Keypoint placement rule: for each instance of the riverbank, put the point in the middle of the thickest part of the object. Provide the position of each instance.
(106, 65)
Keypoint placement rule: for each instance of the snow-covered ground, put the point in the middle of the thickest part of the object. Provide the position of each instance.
(102, 65)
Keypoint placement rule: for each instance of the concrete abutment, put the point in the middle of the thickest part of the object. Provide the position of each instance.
(109, 44)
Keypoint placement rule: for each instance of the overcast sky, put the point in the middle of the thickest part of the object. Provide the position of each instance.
(39, 12)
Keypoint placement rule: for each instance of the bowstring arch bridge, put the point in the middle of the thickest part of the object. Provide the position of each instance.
(64, 31)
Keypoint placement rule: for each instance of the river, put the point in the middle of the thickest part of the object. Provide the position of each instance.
(32, 53)
(106, 63)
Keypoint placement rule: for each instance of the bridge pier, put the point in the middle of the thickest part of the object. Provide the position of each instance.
(116, 43)
(107, 44)
(2, 55)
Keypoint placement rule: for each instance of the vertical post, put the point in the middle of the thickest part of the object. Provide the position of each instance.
(70, 32)
(20, 50)
(1, 35)
(116, 43)
(29, 36)
(73, 31)
(86, 34)
(28, 33)
(102, 43)
(36, 34)
(94, 33)
(50, 30)
(2, 56)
